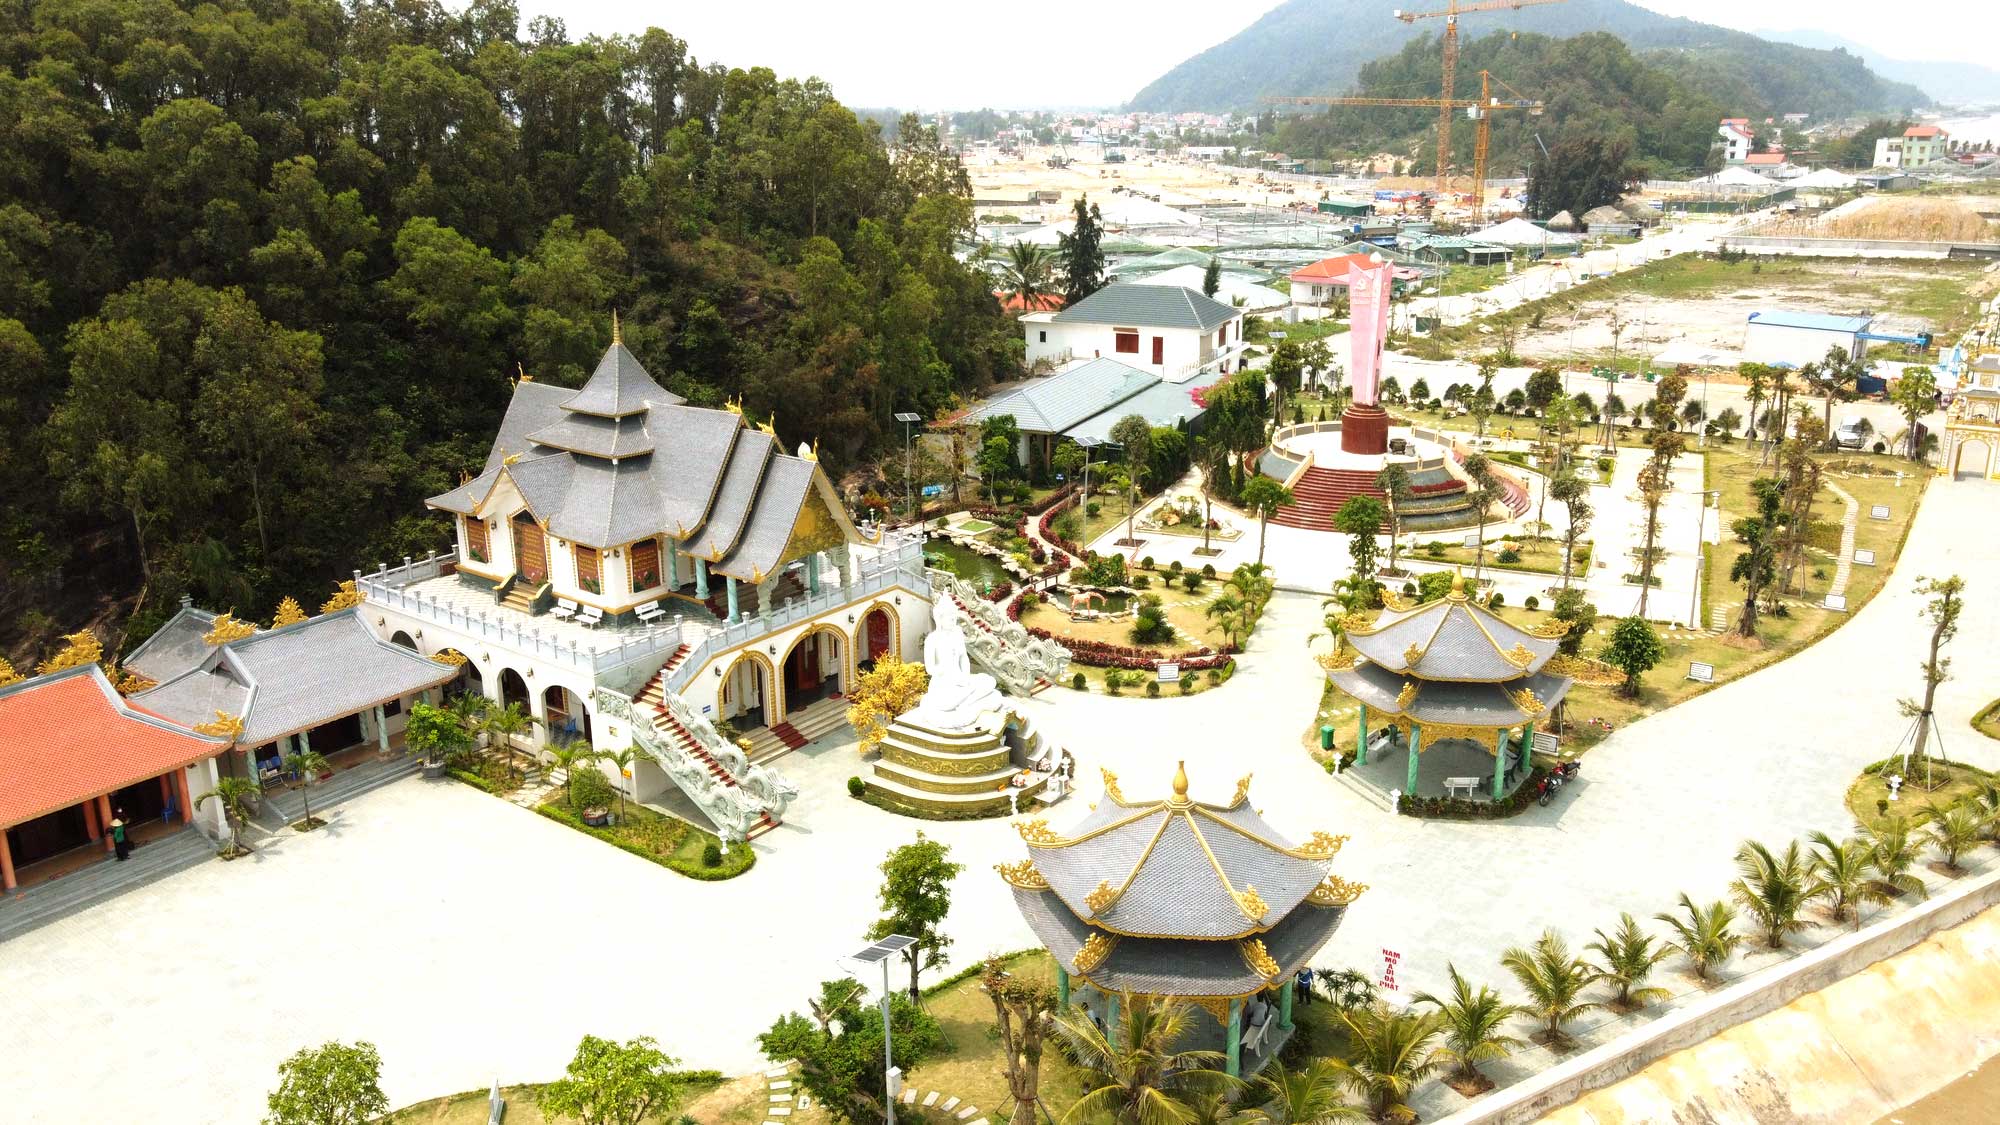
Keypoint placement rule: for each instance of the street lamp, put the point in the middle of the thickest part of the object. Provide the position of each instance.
(1700, 527)
(881, 953)
(1088, 443)
(908, 419)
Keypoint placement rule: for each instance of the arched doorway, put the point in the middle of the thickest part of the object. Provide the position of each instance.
(876, 636)
(401, 638)
(531, 550)
(567, 719)
(746, 698)
(816, 668)
(1973, 461)
(514, 689)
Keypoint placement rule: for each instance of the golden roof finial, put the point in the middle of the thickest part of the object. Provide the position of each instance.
(1180, 783)
(1458, 585)
(617, 334)
(523, 372)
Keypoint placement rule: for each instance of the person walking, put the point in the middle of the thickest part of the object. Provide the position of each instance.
(120, 841)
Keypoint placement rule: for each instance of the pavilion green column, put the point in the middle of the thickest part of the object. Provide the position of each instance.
(1527, 744)
(1410, 783)
(735, 614)
(1062, 987)
(1499, 762)
(1361, 739)
(700, 578)
(1111, 1018)
(673, 567)
(1285, 991)
(812, 573)
(1234, 1063)
(382, 729)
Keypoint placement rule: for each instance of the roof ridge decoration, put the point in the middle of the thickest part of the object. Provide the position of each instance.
(1111, 786)
(1407, 696)
(1551, 630)
(1096, 948)
(224, 725)
(1414, 655)
(1036, 830)
(1257, 958)
(1335, 891)
(1251, 903)
(1242, 791)
(1023, 875)
(1320, 846)
(1341, 658)
(1530, 704)
(227, 628)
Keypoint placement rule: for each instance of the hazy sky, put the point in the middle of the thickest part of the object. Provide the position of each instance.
(937, 54)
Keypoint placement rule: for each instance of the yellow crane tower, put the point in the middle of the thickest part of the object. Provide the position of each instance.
(1481, 111)
(1452, 10)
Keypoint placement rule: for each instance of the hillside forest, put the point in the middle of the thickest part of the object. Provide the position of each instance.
(268, 270)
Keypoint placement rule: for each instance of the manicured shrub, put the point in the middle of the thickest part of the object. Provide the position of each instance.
(1113, 680)
(1497, 600)
(1208, 570)
(1434, 549)
(711, 855)
(856, 787)
(1078, 682)
(1153, 689)
(1604, 465)
(1146, 563)
(1187, 685)
(1509, 555)
(1532, 602)
(1139, 581)
(1092, 509)
(1175, 566)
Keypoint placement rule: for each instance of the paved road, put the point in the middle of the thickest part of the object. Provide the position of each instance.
(470, 939)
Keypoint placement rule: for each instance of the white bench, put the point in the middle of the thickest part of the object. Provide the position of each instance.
(650, 612)
(590, 615)
(1452, 785)
(564, 610)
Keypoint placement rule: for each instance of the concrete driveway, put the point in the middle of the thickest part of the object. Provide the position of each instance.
(469, 939)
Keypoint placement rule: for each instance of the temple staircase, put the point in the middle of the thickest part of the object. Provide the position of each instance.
(520, 598)
(739, 798)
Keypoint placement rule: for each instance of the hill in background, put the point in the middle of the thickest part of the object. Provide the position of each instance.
(1320, 46)
(1955, 82)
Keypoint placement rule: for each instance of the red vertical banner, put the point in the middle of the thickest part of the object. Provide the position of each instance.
(1368, 305)
(1387, 981)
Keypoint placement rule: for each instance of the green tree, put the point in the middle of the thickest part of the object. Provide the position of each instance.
(436, 733)
(1359, 519)
(1544, 387)
(1388, 1054)
(1471, 1022)
(1625, 958)
(308, 764)
(1835, 379)
(1136, 1075)
(1953, 830)
(1285, 371)
(612, 1083)
(1914, 395)
(1705, 935)
(1134, 437)
(1211, 278)
(1893, 848)
(1573, 493)
(1841, 876)
(332, 1084)
(1554, 981)
(1308, 1096)
(1654, 484)
(233, 795)
(1582, 171)
(1027, 275)
(502, 725)
(1946, 605)
(1634, 649)
(1232, 615)
(1757, 566)
(1394, 481)
(1774, 887)
(1485, 492)
(916, 896)
(1082, 252)
(839, 1048)
(1574, 609)
(1265, 496)
(1023, 1013)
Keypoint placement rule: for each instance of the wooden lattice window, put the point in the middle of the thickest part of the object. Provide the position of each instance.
(588, 575)
(476, 548)
(645, 557)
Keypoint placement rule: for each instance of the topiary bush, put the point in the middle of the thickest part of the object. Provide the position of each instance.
(1497, 600)
(1146, 563)
(1532, 602)
(1092, 509)
(711, 855)
(1078, 682)
(1509, 555)
(856, 787)
(1434, 549)
(1153, 689)
(1208, 570)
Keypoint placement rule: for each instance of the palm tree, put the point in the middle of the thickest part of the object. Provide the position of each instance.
(1140, 1077)
(234, 794)
(1774, 888)
(1554, 981)
(623, 759)
(567, 756)
(1028, 274)
(1892, 850)
(1840, 875)
(308, 764)
(1471, 1023)
(1626, 957)
(1986, 803)
(1253, 583)
(1302, 1097)
(503, 723)
(1389, 1052)
(1954, 830)
(1230, 613)
(1706, 936)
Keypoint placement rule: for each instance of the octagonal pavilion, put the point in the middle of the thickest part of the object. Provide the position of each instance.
(1181, 899)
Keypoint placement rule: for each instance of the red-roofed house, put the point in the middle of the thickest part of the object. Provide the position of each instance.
(1737, 138)
(1325, 281)
(72, 750)
(1918, 146)
(1764, 159)
(1041, 302)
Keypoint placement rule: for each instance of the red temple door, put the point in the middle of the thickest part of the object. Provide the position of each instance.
(531, 550)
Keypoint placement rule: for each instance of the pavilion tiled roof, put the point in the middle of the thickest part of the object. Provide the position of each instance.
(68, 736)
(1451, 639)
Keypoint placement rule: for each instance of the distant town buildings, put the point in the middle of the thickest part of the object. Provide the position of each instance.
(1737, 137)
(1918, 146)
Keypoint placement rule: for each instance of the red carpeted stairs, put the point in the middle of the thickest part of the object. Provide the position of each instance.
(652, 697)
(789, 735)
(1321, 492)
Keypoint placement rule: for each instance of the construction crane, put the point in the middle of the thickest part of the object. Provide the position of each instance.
(1481, 111)
(1452, 10)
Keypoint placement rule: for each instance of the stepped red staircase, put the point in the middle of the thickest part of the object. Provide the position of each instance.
(1320, 492)
(789, 735)
(653, 697)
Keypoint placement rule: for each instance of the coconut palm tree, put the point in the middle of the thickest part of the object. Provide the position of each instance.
(1232, 615)
(502, 724)
(308, 764)
(1471, 1023)
(623, 759)
(1626, 957)
(1554, 982)
(1985, 801)
(1301, 1097)
(1953, 830)
(1140, 1077)
(1840, 872)
(1389, 1053)
(1252, 582)
(1706, 936)
(1774, 888)
(234, 794)
(1893, 849)
(1028, 274)
(567, 757)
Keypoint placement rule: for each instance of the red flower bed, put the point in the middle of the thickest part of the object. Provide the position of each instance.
(1441, 486)
(999, 593)
(1101, 654)
(1046, 527)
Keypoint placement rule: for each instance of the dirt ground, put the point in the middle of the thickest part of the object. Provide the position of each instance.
(1903, 295)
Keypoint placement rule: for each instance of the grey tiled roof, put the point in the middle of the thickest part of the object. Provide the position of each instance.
(761, 547)
(1162, 404)
(1463, 704)
(175, 648)
(1054, 404)
(1176, 967)
(544, 483)
(1149, 306)
(599, 437)
(731, 510)
(687, 468)
(296, 678)
(1162, 861)
(533, 407)
(1459, 641)
(607, 503)
(619, 387)
(466, 497)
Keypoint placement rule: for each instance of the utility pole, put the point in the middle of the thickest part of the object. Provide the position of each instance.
(909, 418)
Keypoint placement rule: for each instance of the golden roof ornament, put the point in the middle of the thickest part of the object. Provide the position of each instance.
(1457, 586)
(1037, 831)
(1102, 897)
(1258, 958)
(225, 725)
(1335, 891)
(1111, 785)
(450, 657)
(1340, 659)
(344, 597)
(1392, 600)
(1180, 784)
(1242, 790)
(523, 373)
(1321, 845)
(227, 629)
(1530, 704)
(511, 459)
(1412, 655)
(1407, 696)
(1551, 630)
(1095, 949)
(1519, 656)
(1022, 875)
(1251, 903)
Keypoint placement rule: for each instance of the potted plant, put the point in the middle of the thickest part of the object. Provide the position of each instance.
(438, 735)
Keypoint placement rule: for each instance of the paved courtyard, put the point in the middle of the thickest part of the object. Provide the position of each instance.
(469, 939)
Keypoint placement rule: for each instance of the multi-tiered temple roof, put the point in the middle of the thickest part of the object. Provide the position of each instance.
(1451, 663)
(624, 459)
(1178, 898)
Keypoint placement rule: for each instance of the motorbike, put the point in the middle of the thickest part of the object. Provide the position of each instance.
(1560, 774)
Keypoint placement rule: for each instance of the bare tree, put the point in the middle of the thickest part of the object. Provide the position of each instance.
(1946, 604)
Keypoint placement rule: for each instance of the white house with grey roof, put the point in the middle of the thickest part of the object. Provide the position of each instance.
(1170, 331)
(1084, 400)
(634, 570)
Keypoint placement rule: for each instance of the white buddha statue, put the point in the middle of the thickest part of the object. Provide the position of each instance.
(957, 695)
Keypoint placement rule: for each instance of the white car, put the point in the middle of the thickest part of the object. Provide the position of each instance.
(1852, 433)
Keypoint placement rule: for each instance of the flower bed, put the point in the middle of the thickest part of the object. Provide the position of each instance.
(1046, 526)
(1001, 592)
(1461, 808)
(1101, 655)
